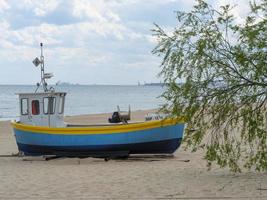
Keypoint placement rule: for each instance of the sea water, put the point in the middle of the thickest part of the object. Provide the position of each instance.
(87, 99)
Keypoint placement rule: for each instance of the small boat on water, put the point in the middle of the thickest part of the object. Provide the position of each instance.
(41, 129)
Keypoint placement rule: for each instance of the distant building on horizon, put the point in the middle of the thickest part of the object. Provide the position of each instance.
(155, 84)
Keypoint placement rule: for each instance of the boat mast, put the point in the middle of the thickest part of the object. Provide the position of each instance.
(43, 82)
(44, 75)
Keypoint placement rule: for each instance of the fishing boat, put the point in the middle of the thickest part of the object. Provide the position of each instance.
(41, 129)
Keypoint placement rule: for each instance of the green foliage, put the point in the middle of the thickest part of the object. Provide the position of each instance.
(223, 97)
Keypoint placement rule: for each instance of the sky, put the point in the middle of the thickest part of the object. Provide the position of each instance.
(88, 41)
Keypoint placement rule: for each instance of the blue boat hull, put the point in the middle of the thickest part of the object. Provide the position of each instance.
(159, 147)
(90, 142)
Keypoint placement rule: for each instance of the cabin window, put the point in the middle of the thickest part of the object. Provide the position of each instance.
(61, 104)
(24, 106)
(35, 107)
(49, 105)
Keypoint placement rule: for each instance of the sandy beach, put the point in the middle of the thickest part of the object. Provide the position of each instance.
(184, 176)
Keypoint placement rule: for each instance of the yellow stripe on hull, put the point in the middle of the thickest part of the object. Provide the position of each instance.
(98, 129)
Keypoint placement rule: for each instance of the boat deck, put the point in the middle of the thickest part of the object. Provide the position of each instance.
(103, 124)
(102, 119)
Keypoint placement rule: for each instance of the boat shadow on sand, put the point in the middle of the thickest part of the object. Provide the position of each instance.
(132, 158)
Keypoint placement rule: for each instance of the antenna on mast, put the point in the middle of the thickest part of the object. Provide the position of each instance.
(44, 75)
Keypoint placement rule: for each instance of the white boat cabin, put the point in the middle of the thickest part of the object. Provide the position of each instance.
(42, 108)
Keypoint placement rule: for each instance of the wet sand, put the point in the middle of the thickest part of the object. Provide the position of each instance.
(183, 176)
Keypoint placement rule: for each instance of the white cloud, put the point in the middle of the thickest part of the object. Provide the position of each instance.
(185, 3)
(3, 5)
(100, 10)
(99, 39)
(239, 11)
(152, 39)
(72, 35)
(160, 2)
(40, 8)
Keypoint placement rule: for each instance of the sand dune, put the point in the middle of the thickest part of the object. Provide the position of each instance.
(140, 177)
